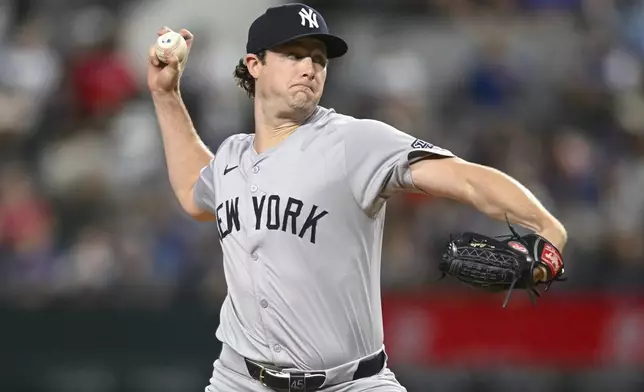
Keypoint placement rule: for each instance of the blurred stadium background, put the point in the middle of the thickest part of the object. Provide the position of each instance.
(106, 287)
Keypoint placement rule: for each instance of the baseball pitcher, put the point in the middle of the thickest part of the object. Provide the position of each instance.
(299, 205)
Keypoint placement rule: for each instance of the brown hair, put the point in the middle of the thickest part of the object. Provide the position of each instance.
(244, 79)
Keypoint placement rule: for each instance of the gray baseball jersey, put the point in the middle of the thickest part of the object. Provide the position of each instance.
(301, 230)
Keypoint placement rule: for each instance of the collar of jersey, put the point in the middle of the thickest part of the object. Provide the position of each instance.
(316, 114)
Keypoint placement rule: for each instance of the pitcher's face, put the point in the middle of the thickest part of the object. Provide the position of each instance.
(293, 73)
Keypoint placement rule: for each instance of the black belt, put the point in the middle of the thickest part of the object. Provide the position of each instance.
(273, 377)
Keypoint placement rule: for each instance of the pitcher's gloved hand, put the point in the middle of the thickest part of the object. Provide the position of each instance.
(495, 265)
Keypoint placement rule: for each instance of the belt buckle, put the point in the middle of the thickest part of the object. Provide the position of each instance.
(263, 370)
(261, 376)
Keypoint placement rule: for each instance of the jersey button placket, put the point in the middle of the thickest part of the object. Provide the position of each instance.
(256, 169)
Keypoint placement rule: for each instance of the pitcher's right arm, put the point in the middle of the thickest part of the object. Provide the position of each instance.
(186, 154)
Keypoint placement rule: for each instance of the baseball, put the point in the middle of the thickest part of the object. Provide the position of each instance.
(173, 41)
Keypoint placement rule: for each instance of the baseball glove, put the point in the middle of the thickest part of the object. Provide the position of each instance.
(497, 265)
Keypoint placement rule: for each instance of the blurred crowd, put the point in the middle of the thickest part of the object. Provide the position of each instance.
(551, 92)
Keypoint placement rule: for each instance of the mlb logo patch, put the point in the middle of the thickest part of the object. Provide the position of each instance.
(422, 144)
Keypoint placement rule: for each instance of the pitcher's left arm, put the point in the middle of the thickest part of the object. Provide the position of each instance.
(488, 190)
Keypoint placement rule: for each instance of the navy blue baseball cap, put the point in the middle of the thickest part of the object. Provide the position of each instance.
(288, 22)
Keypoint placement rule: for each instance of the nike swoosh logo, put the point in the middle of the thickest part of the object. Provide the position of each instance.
(227, 170)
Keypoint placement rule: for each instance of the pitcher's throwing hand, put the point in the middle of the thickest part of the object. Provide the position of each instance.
(164, 77)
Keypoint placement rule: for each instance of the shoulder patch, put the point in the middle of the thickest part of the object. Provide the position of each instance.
(418, 143)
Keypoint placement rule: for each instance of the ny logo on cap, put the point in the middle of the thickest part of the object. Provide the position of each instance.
(311, 16)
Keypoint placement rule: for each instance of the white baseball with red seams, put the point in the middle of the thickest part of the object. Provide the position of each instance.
(174, 42)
